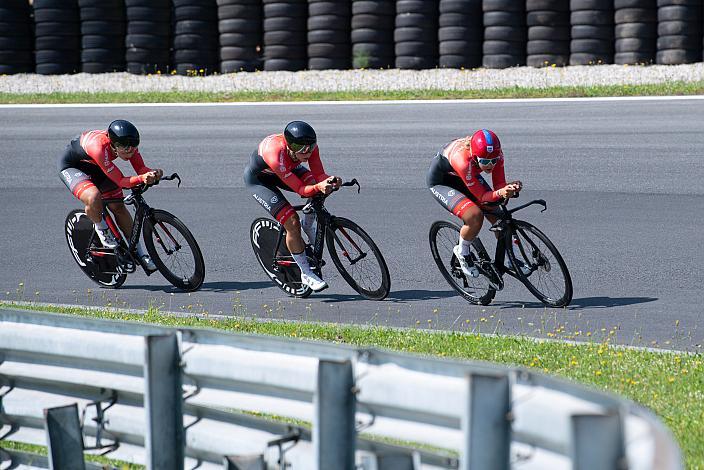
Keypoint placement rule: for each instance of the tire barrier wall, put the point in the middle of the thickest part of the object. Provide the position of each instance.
(198, 37)
(148, 39)
(16, 38)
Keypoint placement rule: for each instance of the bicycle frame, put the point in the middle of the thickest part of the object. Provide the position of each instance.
(505, 221)
(323, 219)
(142, 211)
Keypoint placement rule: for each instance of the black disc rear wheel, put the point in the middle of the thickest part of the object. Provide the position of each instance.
(443, 238)
(548, 277)
(174, 250)
(358, 259)
(98, 263)
(286, 275)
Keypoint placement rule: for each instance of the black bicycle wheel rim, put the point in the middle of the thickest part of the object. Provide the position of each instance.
(263, 236)
(368, 275)
(443, 237)
(540, 279)
(78, 230)
(174, 251)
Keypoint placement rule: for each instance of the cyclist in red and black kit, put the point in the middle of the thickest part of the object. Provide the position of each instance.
(86, 167)
(278, 164)
(456, 182)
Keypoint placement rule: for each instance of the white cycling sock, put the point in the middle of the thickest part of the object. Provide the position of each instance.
(141, 251)
(102, 225)
(464, 245)
(302, 261)
(309, 226)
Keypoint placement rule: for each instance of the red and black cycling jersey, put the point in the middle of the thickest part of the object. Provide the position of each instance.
(272, 157)
(93, 147)
(456, 159)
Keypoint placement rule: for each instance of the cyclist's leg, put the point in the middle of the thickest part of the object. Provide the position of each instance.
(308, 221)
(84, 189)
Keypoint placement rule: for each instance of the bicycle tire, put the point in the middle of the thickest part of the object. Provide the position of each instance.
(78, 231)
(381, 284)
(168, 246)
(441, 245)
(263, 235)
(543, 266)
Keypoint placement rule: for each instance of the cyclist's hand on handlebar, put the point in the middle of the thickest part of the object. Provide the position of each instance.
(150, 177)
(324, 187)
(335, 181)
(509, 190)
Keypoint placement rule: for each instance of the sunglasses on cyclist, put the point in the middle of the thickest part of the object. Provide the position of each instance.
(487, 161)
(126, 148)
(301, 148)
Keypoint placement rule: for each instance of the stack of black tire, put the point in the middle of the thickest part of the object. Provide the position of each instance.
(57, 36)
(240, 27)
(285, 35)
(460, 34)
(102, 36)
(592, 32)
(679, 32)
(548, 24)
(16, 39)
(635, 32)
(329, 34)
(510, 16)
(416, 34)
(148, 39)
(195, 40)
(372, 33)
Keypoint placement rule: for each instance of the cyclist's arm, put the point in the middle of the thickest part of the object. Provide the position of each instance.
(287, 176)
(498, 176)
(138, 163)
(111, 170)
(463, 167)
(316, 166)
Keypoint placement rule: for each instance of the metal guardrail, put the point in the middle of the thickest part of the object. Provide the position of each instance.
(195, 398)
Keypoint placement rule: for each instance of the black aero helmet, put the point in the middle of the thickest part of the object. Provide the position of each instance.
(123, 133)
(300, 137)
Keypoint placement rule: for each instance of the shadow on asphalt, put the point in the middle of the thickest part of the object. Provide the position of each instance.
(397, 296)
(586, 302)
(207, 287)
(416, 294)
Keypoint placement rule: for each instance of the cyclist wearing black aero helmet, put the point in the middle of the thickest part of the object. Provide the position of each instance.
(86, 168)
(278, 163)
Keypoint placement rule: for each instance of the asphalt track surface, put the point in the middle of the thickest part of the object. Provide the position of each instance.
(622, 179)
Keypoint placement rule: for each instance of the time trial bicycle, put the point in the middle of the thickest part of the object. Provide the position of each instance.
(532, 259)
(169, 243)
(353, 252)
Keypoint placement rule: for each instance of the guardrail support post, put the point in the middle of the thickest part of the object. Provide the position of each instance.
(334, 435)
(64, 437)
(163, 403)
(597, 442)
(485, 423)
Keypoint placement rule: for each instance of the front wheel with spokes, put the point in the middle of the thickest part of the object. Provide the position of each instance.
(174, 250)
(358, 259)
(543, 272)
(443, 238)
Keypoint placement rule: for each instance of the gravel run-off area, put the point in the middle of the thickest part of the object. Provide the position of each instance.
(358, 80)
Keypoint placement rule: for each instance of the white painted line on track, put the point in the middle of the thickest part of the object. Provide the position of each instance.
(347, 103)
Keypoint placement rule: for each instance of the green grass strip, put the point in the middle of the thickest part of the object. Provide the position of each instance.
(663, 89)
(670, 384)
(42, 450)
